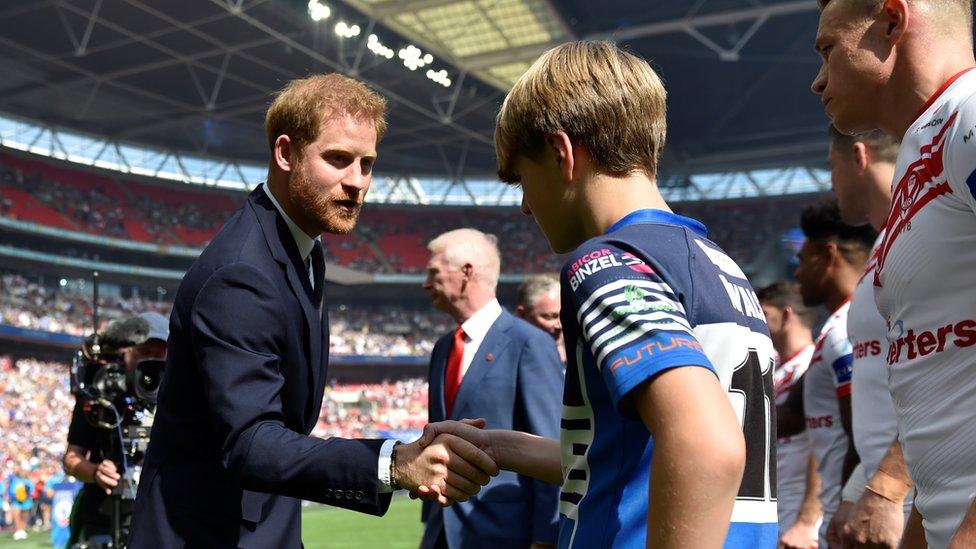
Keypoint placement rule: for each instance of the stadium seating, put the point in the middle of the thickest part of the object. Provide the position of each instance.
(387, 239)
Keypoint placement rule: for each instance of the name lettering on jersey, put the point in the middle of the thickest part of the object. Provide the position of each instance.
(722, 261)
(866, 349)
(822, 422)
(590, 263)
(916, 188)
(743, 299)
(912, 344)
(599, 260)
(655, 347)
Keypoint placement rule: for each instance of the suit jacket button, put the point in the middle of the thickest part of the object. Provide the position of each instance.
(360, 494)
(350, 494)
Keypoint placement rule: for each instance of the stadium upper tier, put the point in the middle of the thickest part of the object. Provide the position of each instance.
(389, 239)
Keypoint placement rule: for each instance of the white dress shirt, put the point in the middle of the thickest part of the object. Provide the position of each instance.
(475, 329)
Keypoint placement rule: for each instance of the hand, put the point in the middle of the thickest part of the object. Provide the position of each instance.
(835, 530)
(451, 469)
(540, 545)
(875, 521)
(802, 535)
(468, 429)
(106, 476)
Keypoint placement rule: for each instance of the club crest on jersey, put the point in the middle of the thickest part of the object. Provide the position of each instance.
(916, 188)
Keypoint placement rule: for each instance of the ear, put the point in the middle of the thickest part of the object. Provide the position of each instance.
(563, 149)
(896, 16)
(283, 153)
(861, 156)
(520, 311)
(468, 270)
(832, 253)
(786, 314)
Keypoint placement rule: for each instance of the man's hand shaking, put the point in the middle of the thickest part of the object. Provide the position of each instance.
(449, 463)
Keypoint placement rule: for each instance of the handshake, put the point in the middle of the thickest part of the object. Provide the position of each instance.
(449, 463)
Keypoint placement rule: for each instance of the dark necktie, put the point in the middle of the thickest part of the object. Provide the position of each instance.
(317, 258)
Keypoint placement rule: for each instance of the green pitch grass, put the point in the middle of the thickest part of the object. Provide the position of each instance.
(323, 528)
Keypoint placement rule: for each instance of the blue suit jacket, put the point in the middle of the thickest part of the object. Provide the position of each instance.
(515, 381)
(229, 457)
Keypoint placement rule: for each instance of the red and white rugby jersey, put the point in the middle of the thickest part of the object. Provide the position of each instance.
(827, 379)
(791, 452)
(924, 289)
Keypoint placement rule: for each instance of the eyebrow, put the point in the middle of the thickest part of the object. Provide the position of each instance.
(343, 150)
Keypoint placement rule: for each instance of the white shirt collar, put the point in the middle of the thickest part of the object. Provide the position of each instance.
(476, 327)
(305, 243)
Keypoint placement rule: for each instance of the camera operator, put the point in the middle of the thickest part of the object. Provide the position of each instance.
(83, 458)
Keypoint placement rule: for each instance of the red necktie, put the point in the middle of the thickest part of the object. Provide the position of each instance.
(453, 374)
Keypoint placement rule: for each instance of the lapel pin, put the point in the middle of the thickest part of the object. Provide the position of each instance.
(489, 357)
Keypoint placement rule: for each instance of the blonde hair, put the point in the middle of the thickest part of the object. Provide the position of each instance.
(300, 107)
(472, 246)
(606, 100)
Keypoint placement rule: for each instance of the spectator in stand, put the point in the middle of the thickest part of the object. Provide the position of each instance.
(20, 494)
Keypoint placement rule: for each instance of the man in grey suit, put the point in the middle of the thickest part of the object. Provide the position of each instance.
(500, 368)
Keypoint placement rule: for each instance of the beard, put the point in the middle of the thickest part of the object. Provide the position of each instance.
(328, 210)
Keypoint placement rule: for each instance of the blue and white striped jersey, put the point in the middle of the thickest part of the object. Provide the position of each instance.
(651, 294)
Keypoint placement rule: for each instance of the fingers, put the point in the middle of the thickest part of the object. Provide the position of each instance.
(454, 493)
(431, 493)
(462, 484)
(472, 454)
(457, 428)
(465, 468)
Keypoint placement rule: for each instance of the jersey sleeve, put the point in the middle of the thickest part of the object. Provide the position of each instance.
(631, 319)
(839, 355)
(960, 153)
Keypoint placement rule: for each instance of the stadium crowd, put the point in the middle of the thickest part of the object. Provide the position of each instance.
(36, 403)
(27, 302)
(387, 239)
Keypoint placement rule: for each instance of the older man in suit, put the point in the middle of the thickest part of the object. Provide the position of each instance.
(230, 456)
(500, 368)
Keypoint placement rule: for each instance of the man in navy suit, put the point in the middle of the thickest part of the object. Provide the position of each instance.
(230, 457)
(500, 368)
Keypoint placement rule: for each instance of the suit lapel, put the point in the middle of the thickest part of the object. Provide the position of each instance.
(323, 363)
(494, 343)
(285, 251)
(438, 363)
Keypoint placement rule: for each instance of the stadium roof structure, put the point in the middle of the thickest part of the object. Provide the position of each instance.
(177, 89)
